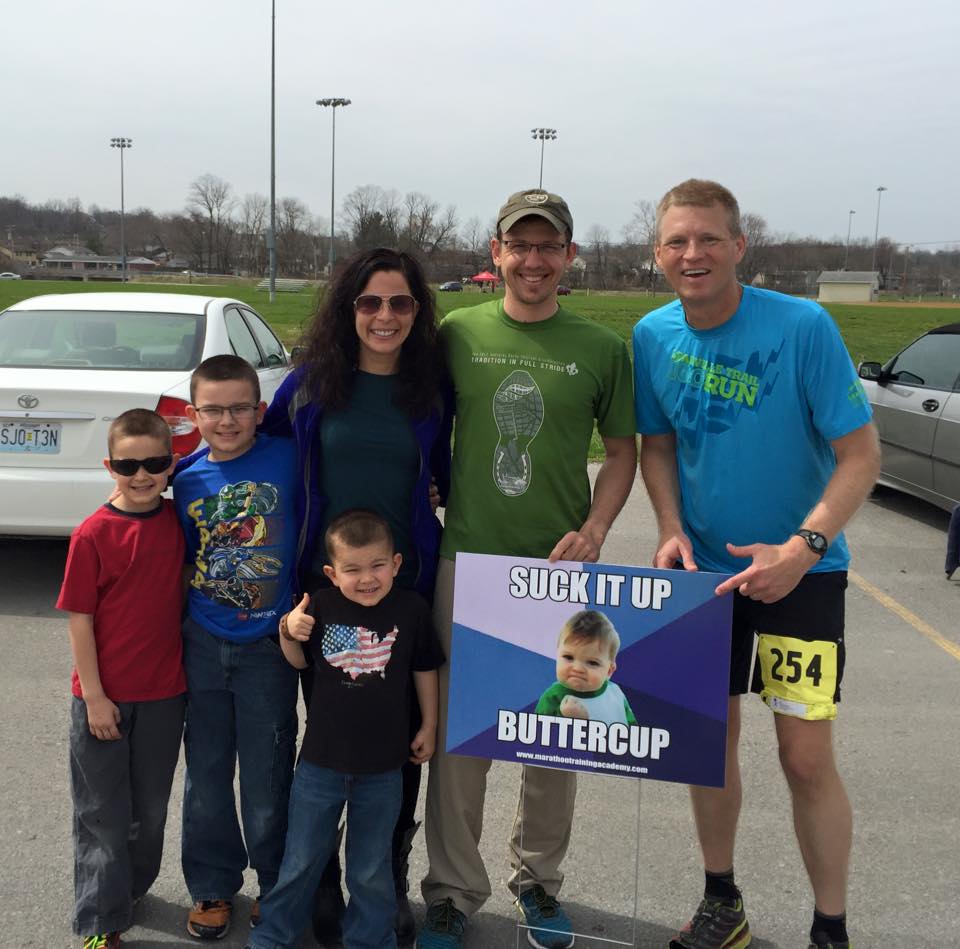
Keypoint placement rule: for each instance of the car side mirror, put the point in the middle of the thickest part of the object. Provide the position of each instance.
(297, 352)
(870, 370)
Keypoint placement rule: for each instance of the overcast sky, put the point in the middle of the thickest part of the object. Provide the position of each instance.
(802, 109)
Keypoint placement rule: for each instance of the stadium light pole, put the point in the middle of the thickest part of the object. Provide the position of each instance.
(123, 144)
(332, 105)
(271, 243)
(846, 255)
(544, 136)
(876, 232)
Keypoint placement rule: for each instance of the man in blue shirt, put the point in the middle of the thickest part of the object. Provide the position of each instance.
(757, 449)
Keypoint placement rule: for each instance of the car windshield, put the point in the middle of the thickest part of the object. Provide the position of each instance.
(95, 340)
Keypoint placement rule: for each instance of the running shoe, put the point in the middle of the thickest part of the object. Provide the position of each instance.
(548, 926)
(443, 927)
(715, 925)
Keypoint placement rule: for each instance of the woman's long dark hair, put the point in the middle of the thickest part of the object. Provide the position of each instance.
(331, 346)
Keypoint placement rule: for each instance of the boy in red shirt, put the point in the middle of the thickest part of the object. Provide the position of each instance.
(122, 589)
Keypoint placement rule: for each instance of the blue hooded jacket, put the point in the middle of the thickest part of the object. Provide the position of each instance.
(294, 414)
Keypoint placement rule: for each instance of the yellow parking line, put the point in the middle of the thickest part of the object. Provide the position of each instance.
(925, 629)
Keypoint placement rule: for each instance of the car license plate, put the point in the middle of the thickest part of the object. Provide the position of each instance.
(41, 438)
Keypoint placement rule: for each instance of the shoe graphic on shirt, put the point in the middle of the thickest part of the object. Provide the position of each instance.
(518, 412)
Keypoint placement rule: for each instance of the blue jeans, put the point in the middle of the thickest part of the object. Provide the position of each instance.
(318, 796)
(241, 705)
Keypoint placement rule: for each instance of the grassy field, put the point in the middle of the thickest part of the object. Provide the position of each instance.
(871, 331)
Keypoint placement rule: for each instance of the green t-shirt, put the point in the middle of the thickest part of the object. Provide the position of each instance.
(527, 395)
(607, 704)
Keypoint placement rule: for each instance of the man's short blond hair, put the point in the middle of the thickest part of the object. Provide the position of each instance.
(591, 626)
(701, 193)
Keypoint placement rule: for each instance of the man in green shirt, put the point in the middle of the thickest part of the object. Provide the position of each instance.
(531, 379)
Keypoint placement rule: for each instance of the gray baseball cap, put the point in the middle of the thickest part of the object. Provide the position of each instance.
(538, 203)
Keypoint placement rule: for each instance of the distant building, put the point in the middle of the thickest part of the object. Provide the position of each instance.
(848, 286)
(62, 260)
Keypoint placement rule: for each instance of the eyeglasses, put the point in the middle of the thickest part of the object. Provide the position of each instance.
(401, 304)
(213, 413)
(128, 467)
(544, 248)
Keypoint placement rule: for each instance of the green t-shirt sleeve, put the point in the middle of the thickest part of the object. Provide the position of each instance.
(616, 415)
(549, 703)
(631, 718)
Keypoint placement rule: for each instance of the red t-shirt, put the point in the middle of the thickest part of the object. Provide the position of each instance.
(125, 570)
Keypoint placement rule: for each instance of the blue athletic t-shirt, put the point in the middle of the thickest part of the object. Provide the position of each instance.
(238, 520)
(754, 404)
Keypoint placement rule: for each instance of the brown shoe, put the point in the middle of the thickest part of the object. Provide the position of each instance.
(255, 913)
(209, 919)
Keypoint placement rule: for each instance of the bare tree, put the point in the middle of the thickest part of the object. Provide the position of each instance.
(295, 244)
(211, 197)
(597, 239)
(373, 217)
(640, 235)
(754, 229)
(419, 212)
(252, 228)
(444, 234)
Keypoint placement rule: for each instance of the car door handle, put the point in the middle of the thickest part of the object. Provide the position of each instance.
(930, 405)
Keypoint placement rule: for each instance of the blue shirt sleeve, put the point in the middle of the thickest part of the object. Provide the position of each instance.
(650, 417)
(838, 404)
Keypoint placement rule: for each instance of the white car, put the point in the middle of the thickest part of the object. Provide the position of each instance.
(6, 275)
(71, 363)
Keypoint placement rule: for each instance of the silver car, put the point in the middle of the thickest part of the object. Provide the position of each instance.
(916, 404)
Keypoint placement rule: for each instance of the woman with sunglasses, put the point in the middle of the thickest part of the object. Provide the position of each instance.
(369, 407)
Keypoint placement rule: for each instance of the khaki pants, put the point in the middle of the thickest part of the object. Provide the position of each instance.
(456, 789)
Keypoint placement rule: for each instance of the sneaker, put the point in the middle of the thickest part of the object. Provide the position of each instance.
(255, 913)
(716, 925)
(209, 919)
(443, 928)
(102, 941)
(548, 925)
(823, 941)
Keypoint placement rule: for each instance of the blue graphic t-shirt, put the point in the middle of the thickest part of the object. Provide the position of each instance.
(754, 404)
(238, 519)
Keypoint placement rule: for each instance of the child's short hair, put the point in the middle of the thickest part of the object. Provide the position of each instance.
(591, 625)
(135, 422)
(357, 527)
(226, 368)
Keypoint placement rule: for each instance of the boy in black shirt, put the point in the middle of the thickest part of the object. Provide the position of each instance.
(364, 636)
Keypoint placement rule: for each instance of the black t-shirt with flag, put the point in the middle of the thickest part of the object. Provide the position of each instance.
(363, 658)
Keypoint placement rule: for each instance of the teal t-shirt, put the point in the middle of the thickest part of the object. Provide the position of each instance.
(754, 404)
(371, 459)
(527, 395)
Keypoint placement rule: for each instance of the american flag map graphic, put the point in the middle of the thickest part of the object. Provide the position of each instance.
(357, 650)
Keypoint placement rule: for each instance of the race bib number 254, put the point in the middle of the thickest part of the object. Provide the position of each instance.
(799, 678)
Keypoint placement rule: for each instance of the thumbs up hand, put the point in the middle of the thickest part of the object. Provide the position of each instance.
(299, 624)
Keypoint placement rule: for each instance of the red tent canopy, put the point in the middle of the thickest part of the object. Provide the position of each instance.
(484, 277)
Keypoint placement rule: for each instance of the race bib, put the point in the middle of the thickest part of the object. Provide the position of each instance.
(799, 678)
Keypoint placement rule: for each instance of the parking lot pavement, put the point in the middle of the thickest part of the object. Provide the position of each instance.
(896, 737)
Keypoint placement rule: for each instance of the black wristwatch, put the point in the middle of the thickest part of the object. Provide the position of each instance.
(816, 542)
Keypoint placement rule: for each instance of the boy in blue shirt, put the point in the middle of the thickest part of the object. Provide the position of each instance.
(234, 501)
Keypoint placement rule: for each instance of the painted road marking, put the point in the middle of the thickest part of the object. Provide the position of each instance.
(925, 629)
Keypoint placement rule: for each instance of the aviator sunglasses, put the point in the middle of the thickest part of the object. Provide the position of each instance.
(128, 467)
(401, 304)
